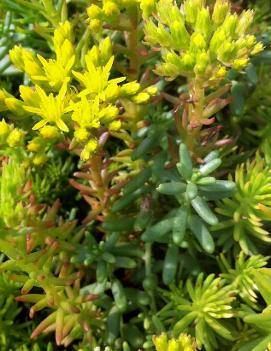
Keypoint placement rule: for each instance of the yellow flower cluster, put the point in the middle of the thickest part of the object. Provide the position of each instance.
(183, 343)
(50, 74)
(108, 11)
(197, 41)
(81, 109)
(113, 11)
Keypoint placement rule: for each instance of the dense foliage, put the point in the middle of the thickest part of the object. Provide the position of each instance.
(135, 175)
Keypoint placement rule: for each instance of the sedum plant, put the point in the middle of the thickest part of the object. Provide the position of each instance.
(133, 216)
(207, 305)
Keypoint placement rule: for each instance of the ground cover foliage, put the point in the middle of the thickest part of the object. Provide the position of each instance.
(135, 177)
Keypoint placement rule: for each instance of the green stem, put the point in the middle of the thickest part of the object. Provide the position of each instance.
(148, 273)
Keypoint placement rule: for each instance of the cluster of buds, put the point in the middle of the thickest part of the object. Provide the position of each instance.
(196, 41)
(110, 11)
(88, 111)
(53, 72)
(39, 145)
(183, 343)
(10, 136)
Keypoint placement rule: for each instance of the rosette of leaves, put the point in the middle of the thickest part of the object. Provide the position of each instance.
(245, 214)
(260, 322)
(107, 257)
(107, 254)
(50, 180)
(14, 327)
(201, 309)
(72, 315)
(241, 276)
(192, 188)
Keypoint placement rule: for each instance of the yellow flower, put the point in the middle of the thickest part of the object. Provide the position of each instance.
(86, 113)
(49, 132)
(25, 60)
(54, 72)
(96, 79)
(51, 108)
(63, 33)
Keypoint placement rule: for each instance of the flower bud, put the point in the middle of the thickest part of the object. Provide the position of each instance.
(197, 42)
(179, 35)
(167, 69)
(49, 132)
(152, 90)
(173, 58)
(218, 38)
(219, 74)
(35, 145)
(109, 112)
(62, 33)
(203, 23)
(112, 92)
(225, 53)
(16, 57)
(39, 159)
(188, 60)
(230, 26)
(95, 25)
(130, 88)
(141, 98)
(257, 49)
(221, 9)
(81, 134)
(89, 149)
(105, 50)
(250, 41)
(115, 125)
(94, 11)
(160, 342)
(4, 130)
(239, 64)
(191, 9)
(15, 137)
(110, 9)
(29, 95)
(202, 63)
(244, 22)
(15, 105)
(3, 95)
(173, 345)
(184, 340)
